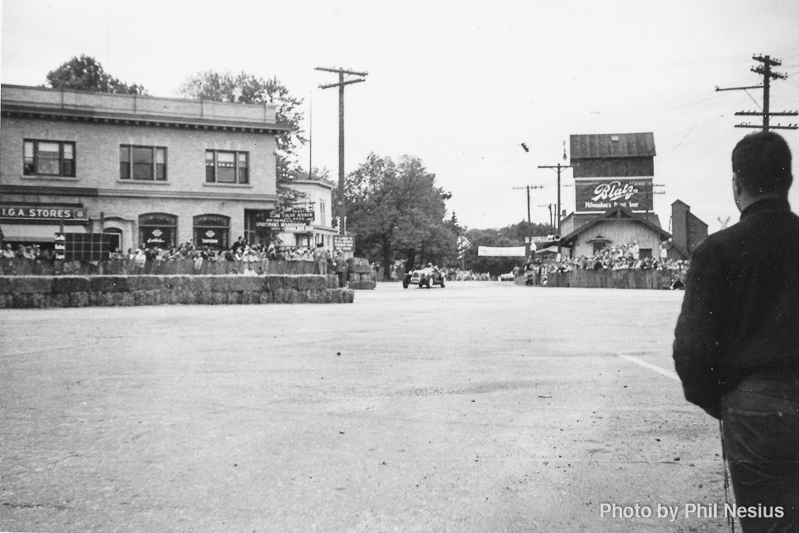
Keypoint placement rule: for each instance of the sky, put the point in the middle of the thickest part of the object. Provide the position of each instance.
(461, 84)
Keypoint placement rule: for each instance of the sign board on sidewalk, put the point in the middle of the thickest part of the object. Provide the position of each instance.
(343, 243)
(83, 246)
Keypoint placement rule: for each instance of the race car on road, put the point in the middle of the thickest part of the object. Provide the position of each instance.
(424, 277)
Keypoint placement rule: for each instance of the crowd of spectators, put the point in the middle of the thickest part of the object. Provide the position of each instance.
(624, 257)
(33, 258)
(241, 258)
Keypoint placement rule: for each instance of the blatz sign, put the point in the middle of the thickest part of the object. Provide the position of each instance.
(598, 195)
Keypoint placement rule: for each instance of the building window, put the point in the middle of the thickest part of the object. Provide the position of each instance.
(142, 163)
(212, 231)
(227, 167)
(115, 235)
(644, 253)
(48, 158)
(158, 230)
(322, 212)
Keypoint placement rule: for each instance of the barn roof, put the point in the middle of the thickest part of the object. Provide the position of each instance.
(612, 145)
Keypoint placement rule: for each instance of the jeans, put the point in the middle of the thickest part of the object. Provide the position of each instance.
(761, 440)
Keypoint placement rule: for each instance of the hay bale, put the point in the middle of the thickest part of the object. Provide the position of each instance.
(145, 283)
(219, 298)
(233, 298)
(79, 299)
(273, 282)
(311, 282)
(173, 282)
(347, 296)
(70, 284)
(5, 284)
(96, 299)
(250, 297)
(31, 285)
(184, 296)
(57, 300)
(220, 283)
(108, 283)
(362, 285)
(172, 297)
(38, 301)
(205, 297)
(22, 301)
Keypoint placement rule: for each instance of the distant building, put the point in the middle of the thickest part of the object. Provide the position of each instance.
(150, 171)
(687, 232)
(315, 196)
(615, 227)
(613, 187)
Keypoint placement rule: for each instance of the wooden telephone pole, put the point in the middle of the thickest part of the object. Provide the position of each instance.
(529, 222)
(559, 167)
(768, 75)
(341, 207)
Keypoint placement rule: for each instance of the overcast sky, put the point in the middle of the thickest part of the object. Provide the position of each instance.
(461, 84)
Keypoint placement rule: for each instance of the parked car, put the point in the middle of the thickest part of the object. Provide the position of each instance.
(424, 277)
(510, 276)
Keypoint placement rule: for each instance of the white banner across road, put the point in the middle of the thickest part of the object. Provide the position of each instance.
(507, 251)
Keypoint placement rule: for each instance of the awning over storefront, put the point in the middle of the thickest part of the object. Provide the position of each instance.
(35, 232)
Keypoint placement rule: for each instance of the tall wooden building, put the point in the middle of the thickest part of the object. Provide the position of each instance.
(613, 187)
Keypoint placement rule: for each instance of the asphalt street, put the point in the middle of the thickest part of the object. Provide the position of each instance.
(483, 406)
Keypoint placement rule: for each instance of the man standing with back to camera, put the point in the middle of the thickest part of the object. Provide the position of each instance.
(736, 346)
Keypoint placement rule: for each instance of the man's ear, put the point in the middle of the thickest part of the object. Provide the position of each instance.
(737, 187)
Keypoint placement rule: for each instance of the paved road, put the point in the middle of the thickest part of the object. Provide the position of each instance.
(478, 407)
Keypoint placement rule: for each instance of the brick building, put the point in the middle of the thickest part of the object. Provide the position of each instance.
(152, 171)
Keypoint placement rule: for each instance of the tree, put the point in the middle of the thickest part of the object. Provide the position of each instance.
(248, 89)
(513, 235)
(396, 211)
(84, 73)
(287, 195)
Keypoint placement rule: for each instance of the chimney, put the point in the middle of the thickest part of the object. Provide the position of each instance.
(679, 225)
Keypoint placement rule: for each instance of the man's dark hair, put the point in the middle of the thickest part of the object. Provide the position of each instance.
(762, 162)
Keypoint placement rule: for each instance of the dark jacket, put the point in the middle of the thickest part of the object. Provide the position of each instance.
(740, 315)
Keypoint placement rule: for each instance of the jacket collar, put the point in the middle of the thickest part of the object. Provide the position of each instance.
(766, 204)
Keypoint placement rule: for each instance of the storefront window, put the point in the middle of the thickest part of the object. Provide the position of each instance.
(212, 231)
(115, 234)
(158, 230)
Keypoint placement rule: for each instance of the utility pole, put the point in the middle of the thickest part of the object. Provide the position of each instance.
(559, 167)
(768, 75)
(551, 218)
(529, 222)
(342, 208)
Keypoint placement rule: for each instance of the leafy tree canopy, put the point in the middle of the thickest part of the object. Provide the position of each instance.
(397, 212)
(248, 89)
(84, 73)
(513, 235)
(287, 195)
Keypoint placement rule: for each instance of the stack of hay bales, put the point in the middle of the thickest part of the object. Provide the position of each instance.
(110, 291)
(359, 274)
